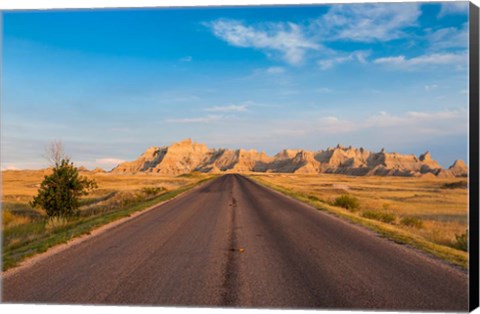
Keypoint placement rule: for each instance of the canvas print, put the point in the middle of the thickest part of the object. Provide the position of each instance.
(295, 156)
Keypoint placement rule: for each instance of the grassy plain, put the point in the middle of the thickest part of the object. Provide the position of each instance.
(428, 213)
(27, 231)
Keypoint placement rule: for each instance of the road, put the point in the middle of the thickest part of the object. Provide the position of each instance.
(232, 242)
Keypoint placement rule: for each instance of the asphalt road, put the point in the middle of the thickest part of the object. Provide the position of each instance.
(232, 242)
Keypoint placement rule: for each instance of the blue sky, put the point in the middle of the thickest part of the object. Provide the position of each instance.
(110, 83)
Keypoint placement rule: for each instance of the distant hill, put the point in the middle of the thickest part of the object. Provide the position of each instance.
(187, 156)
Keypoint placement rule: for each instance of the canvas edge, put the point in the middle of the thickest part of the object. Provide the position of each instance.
(474, 157)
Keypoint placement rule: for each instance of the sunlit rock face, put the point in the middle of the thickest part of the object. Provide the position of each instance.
(187, 156)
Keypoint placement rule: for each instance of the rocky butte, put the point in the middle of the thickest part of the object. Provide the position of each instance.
(187, 156)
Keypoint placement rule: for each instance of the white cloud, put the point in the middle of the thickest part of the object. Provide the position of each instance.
(390, 60)
(186, 59)
(458, 59)
(416, 126)
(109, 161)
(353, 22)
(285, 39)
(360, 56)
(331, 119)
(453, 7)
(367, 22)
(207, 119)
(228, 108)
(275, 70)
(429, 88)
(334, 125)
(394, 126)
(9, 168)
(439, 115)
(326, 64)
(449, 37)
(440, 122)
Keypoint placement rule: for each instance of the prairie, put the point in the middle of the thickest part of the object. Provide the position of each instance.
(27, 231)
(428, 213)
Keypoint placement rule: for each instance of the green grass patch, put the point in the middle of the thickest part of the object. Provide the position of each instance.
(22, 241)
(382, 216)
(153, 190)
(394, 233)
(20, 209)
(93, 200)
(348, 202)
(461, 241)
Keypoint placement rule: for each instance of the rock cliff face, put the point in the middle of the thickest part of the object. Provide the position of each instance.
(145, 163)
(187, 156)
(458, 169)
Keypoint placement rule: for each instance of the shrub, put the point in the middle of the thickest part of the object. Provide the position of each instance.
(412, 222)
(380, 216)
(347, 201)
(59, 192)
(55, 222)
(461, 241)
(150, 191)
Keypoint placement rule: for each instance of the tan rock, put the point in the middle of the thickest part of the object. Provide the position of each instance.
(145, 163)
(187, 156)
(459, 169)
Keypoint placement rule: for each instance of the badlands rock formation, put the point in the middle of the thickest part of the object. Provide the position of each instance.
(187, 156)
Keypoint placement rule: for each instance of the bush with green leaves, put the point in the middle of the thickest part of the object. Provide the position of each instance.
(347, 201)
(461, 242)
(60, 192)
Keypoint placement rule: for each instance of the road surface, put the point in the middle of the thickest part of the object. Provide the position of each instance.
(233, 242)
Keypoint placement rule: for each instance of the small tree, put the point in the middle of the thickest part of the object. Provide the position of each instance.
(60, 191)
(54, 153)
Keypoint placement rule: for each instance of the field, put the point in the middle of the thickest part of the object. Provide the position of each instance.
(27, 231)
(428, 213)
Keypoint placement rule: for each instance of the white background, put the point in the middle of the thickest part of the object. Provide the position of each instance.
(58, 4)
(44, 4)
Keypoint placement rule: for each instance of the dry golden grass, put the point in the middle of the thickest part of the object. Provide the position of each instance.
(441, 210)
(27, 231)
(19, 188)
(9, 219)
